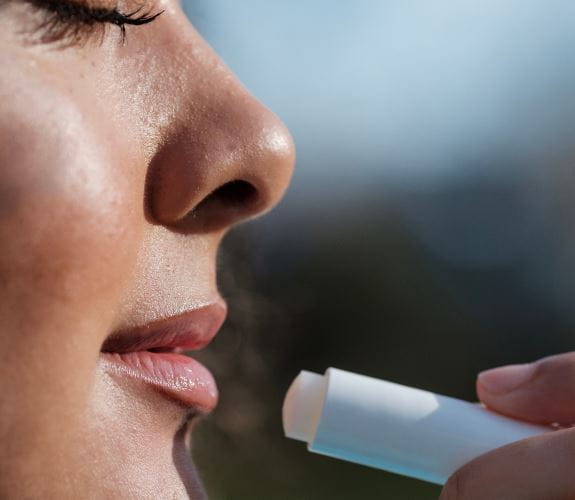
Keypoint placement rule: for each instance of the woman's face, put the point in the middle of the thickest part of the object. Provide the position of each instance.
(122, 165)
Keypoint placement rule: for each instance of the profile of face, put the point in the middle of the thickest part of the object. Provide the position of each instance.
(122, 165)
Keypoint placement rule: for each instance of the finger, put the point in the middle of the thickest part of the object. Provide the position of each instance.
(538, 468)
(542, 392)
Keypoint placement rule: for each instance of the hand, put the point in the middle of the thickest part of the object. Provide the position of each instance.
(538, 468)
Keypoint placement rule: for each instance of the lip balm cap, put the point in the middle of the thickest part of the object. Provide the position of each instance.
(302, 406)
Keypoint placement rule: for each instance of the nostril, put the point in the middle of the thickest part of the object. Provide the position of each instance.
(238, 195)
(231, 202)
(234, 195)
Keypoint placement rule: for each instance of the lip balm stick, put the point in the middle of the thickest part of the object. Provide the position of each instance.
(393, 427)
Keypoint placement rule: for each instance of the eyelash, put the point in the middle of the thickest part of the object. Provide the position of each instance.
(70, 21)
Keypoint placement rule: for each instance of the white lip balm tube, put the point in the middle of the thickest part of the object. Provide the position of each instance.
(393, 427)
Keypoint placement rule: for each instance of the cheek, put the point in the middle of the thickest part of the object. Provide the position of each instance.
(69, 208)
(71, 203)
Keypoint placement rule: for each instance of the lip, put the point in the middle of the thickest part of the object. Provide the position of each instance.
(153, 354)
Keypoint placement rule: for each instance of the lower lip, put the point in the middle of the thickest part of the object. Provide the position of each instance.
(180, 377)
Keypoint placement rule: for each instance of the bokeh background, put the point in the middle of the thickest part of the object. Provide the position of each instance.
(428, 233)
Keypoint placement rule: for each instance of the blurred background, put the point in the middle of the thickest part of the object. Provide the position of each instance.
(427, 234)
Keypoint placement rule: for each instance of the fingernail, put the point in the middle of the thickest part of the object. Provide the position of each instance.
(506, 378)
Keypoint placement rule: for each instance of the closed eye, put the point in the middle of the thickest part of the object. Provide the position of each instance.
(70, 21)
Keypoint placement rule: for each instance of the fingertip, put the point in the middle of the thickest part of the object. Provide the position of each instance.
(502, 380)
(498, 388)
(541, 392)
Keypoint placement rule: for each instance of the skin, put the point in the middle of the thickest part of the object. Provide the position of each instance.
(106, 150)
(538, 468)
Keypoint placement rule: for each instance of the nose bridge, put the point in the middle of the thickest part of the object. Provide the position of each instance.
(226, 158)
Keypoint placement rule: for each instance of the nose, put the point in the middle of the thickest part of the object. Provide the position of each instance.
(225, 157)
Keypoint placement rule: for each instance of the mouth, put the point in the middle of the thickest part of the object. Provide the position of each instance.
(154, 354)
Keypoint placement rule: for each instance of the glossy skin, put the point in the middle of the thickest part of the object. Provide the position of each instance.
(106, 149)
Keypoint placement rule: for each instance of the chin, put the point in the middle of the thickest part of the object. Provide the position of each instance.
(146, 435)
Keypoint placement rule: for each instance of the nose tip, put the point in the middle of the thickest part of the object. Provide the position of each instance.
(229, 164)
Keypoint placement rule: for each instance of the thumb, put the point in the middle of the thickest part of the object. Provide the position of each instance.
(541, 392)
(537, 468)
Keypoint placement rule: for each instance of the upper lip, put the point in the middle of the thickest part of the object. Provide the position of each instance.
(191, 330)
